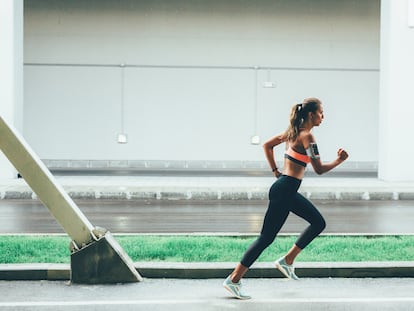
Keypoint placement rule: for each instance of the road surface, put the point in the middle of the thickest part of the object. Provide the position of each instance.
(227, 217)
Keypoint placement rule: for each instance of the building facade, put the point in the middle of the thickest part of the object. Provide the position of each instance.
(204, 83)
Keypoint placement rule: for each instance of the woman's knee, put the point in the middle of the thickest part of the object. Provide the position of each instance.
(266, 240)
(320, 225)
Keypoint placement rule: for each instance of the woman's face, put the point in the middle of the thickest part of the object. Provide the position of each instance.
(317, 116)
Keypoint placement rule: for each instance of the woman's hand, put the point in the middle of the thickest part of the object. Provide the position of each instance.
(277, 173)
(342, 155)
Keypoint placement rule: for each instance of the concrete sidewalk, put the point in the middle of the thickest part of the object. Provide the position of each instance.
(339, 294)
(212, 188)
(54, 272)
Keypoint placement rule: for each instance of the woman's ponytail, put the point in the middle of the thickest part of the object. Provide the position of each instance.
(298, 116)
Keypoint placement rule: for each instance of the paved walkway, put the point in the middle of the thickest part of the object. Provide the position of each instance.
(341, 294)
(212, 188)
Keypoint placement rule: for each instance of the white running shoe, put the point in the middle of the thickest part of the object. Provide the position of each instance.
(287, 270)
(235, 289)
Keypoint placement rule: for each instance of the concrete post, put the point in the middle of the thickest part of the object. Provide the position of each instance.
(96, 257)
(11, 71)
(396, 90)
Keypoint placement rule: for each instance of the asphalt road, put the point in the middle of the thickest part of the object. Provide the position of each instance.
(173, 295)
(225, 217)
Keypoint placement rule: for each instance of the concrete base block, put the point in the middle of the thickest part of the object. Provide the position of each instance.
(103, 261)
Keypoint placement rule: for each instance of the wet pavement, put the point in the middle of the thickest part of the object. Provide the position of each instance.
(214, 217)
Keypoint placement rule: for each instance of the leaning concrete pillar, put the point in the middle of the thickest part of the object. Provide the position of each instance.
(96, 256)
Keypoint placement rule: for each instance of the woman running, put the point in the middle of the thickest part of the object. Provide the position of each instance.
(283, 195)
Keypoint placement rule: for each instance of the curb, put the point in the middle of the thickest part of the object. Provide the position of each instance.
(213, 194)
(206, 187)
(59, 272)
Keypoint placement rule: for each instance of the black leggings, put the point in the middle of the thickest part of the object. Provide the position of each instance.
(284, 198)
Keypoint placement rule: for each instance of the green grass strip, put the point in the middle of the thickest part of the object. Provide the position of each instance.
(55, 249)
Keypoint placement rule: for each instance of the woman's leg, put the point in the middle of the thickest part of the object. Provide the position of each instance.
(306, 210)
(291, 254)
(238, 273)
(274, 219)
(281, 192)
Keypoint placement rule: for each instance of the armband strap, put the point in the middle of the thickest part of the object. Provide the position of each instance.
(313, 152)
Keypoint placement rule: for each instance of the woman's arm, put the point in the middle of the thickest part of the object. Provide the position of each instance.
(268, 150)
(322, 168)
(312, 150)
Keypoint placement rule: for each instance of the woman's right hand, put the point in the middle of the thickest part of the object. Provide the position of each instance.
(342, 155)
(277, 173)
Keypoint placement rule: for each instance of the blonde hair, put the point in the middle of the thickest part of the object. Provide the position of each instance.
(299, 114)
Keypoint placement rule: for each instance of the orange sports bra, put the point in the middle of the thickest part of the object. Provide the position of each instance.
(298, 158)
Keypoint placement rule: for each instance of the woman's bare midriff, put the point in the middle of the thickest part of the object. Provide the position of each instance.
(294, 170)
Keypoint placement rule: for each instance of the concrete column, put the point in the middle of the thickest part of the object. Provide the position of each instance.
(11, 72)
(396, 121)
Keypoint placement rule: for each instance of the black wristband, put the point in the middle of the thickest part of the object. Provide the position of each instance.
(274, 170)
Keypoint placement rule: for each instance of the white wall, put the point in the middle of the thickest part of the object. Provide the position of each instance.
(397, 93)
(11, 72)
(189, 88)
